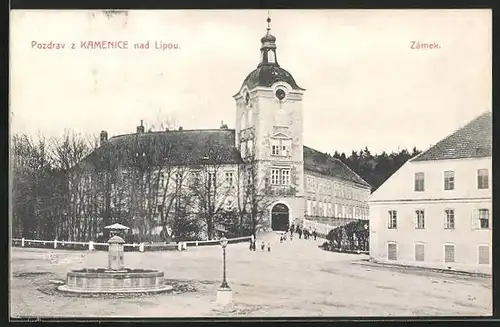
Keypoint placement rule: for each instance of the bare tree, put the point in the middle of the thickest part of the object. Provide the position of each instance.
(210, 188)
(255, 193)
(67, 153)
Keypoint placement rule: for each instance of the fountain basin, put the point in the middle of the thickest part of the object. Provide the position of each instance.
(125, 280)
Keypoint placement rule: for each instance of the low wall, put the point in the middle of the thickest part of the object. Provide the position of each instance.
(141, 247)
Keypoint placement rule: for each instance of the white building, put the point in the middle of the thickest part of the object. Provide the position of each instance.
(435, 211)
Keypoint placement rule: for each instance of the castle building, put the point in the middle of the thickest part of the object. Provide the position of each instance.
(301, 185)
(435, 211)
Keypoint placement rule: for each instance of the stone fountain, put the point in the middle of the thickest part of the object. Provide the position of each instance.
(116, 278)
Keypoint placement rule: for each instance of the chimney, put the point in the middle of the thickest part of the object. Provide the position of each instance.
(104, 137)
(222, 125)
(180, 128)
(140, 129)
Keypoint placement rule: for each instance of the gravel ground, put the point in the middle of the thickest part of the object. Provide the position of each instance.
(295, 279)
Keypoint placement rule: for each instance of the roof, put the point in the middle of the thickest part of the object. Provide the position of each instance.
(116, 226)
(175, 148)
(324, 164)
(471, 141)
(199, 147)
(267, 75)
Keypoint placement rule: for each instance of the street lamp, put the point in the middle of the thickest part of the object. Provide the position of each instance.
(223, 243)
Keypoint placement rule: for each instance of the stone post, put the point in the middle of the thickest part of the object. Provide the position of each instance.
(22, 242)
(179, 246)
(55, 244)
(141, 247)
(115, 253)
(196, 243)
(91, 246)
(185, 245)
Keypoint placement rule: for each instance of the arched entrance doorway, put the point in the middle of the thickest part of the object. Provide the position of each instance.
(279, 217)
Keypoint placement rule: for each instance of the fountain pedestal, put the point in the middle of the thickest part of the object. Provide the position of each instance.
(115, 254)
(116, 278)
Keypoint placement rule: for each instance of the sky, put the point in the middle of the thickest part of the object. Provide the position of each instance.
(365, 85)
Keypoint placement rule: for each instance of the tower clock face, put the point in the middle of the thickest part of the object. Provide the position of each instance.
(247, 99)
(280, 94)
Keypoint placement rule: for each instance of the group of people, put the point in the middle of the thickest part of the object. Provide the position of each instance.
(253, 245)
(307, 232)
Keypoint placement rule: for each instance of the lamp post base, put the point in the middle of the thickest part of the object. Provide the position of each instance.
(224, 296)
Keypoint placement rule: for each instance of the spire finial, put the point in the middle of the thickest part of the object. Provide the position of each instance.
(268, 21)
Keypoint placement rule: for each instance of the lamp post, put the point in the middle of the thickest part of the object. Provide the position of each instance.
(224, 294)
(223, 243)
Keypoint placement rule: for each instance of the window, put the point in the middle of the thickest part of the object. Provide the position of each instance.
(484, 218)
(275, 176)
(281, 147)
(482, 179)
(336, 210)
(229, 205)
(419, 219)
(196, 175)
(314, 208)
(449, 253)
(484, 255)
(419, 252)
(211, 178)
(449, 180)
(285, 176)
(249, 176)
(392, 251)
(243, 148)
(393, 219)
(250, 149)
(419, 182)
(309, 205)
(330, 210)
(449, 222)
(229, 177)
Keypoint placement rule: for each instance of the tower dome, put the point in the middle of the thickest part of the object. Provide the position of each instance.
(269, 71)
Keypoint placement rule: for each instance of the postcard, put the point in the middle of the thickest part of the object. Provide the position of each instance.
(250, 163)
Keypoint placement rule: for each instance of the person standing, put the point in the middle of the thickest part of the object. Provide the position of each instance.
(314, 234)
(262, 246)
(299, 231)
(268, 246)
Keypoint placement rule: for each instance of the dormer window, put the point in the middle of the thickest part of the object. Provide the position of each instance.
(247, 98)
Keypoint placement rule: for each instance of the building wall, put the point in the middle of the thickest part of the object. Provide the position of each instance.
(331, 197)
(398, 193)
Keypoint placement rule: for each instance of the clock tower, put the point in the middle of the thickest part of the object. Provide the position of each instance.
(269, 134)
